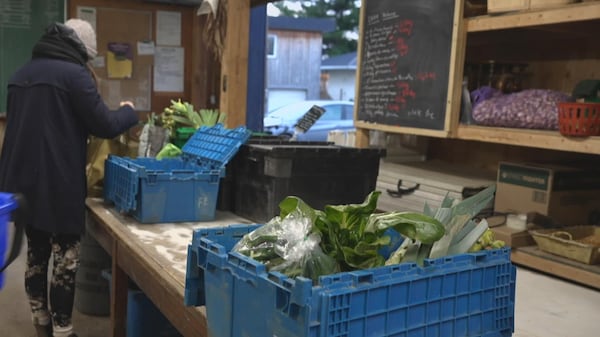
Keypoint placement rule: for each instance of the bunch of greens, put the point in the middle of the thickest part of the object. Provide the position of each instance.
(182, 114)
(350, 236)
(354, 234)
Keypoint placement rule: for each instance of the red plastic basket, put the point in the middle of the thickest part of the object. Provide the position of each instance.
(579, 119)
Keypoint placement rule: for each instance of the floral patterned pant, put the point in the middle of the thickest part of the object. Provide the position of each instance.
(65, 252)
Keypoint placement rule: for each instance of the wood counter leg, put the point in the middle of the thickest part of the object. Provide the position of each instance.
(118, 297)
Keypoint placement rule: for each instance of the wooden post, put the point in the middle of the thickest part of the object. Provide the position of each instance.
(234, 69)
(118, 297)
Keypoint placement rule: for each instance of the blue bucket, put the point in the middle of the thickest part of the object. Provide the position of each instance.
(7, 204)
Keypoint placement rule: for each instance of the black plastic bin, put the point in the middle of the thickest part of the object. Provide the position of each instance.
(226, 195)
(265, 172)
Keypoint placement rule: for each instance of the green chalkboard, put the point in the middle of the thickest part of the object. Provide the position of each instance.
(22, 22)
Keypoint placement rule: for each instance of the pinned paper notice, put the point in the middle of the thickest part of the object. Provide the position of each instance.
(168, 69)
(168, 28)
(145, 48)
(88, 14)
(119, 60)
(207, 7)
(98, 62)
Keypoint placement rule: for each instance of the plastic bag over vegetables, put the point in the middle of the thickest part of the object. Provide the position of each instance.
(288, 245)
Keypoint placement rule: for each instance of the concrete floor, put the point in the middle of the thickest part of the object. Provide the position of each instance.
(545, 307)
(15, 317)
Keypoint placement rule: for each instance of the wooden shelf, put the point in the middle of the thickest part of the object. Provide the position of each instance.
(534, 258)
(552, 140)
(563, 14)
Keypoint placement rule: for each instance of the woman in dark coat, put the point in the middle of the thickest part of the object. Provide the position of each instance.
(53, 105)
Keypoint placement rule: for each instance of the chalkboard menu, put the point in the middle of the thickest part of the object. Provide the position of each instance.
(22, 23)
(405, 62)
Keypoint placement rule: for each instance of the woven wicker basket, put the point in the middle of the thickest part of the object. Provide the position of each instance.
(580, 243)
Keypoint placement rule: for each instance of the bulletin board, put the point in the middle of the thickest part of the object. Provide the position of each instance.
(134, 21)
(125, 26)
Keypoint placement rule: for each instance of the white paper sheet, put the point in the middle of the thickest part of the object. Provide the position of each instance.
(113, 96)
(88, 14)
(98, 62)
(168, 69)
(168, 28)
(145, 47)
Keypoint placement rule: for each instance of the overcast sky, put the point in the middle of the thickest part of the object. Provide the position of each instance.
(273, 11)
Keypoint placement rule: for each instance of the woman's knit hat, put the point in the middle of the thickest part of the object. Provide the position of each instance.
(86, 34)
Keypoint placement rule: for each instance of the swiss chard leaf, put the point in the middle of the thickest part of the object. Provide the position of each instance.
(416, 226)
(353, 216)
(290, 204)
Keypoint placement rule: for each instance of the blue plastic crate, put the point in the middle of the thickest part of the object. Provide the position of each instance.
(175, 189)
(194, 276)
(463, 295)
(7, 205)
(228, 237)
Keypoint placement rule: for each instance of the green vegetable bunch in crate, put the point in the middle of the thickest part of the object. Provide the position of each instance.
(308, 242)
(182, 116)
(181, 121)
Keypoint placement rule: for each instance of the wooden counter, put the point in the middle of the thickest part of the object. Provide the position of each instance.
(154, 257)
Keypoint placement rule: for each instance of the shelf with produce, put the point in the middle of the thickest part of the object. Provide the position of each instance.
(528, 40)
(552, 140)
(555, 15)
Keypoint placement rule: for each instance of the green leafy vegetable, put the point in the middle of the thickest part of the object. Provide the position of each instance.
(413, 225)
(353, 234)
(339, 238)
(169, 151)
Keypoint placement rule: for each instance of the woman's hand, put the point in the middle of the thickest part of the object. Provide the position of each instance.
(127, 103)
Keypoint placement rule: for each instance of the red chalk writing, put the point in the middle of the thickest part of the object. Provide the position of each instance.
(422, 76)
(406, 27)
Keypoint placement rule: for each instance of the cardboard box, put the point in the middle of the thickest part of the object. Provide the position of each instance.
(513, 237)
(568, 195)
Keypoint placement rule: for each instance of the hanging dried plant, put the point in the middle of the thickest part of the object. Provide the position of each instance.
(216, 29)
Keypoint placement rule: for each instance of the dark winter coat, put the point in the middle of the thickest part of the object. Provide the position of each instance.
(53, 105)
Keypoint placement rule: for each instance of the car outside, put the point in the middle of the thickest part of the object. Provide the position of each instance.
(338, 115)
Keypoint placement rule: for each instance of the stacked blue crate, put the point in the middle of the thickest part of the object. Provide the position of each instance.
(464, 295)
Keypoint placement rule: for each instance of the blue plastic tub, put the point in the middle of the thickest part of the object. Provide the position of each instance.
(175, 189)
(143, 317)
(7, 205)
(462, 295)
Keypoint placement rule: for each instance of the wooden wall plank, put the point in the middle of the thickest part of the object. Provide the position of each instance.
(234, 69)
(206, 69)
